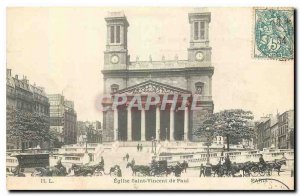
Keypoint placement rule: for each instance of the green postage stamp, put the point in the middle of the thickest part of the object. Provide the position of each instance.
(274, 33)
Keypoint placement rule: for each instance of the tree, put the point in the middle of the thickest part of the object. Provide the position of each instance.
(27, 126)
(232, 124)
(53, 138)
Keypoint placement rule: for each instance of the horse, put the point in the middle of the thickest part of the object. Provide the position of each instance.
(246, 168)
(184, 165)
(84, 170)
(160, 170)
(277, 165)
(223, 170)
(40, 172)
(142, 169)
(49, 171)
(98, 169)
(169, 170)
(236, 168)
(17, 172)
(216, 169)
(115, 171)
(59, 170)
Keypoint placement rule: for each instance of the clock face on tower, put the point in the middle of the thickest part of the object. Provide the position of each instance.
(199, 56)
(114, 59)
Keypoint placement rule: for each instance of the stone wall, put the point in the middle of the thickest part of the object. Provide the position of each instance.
(108, 126)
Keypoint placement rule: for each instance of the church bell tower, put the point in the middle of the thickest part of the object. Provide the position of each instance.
(199, 50)
(116, 54)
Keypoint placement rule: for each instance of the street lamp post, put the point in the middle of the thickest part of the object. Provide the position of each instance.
(208, 144)
(208, 165)
(86, 146)
(152, 140)
(208, 154)
(101, 137)
(85, 140)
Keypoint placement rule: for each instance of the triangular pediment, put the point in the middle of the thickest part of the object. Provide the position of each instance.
(152, 87)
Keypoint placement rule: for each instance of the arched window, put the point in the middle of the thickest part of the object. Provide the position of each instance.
(199, 87)
(114, 88)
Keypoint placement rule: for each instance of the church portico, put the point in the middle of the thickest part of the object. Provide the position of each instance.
(151, 116)
(146, 127)
(163, 100)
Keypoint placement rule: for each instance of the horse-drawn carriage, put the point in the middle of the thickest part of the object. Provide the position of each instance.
(158, 168)
(248, 168)
(28, 162)
(86, 170)
(94, 170)
(267, 168)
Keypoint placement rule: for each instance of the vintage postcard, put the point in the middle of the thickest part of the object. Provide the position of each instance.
(127, 98)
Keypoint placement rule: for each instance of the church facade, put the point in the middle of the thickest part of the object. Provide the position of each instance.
(175, 77)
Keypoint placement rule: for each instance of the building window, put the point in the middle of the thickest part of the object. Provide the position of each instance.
(115, 34)
(199, 30)
(196, 30)
(112, 34)
(202, 30)
(114, 88)
(199, 88)
(118, 34)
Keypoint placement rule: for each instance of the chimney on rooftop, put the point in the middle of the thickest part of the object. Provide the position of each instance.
(25, 79)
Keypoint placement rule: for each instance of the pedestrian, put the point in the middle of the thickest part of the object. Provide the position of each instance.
(185, 165)
(132, 162)
(178, 169)
(102, 162)
(138, 147)
(261, 160)
(127, 156)
(228, 163)
(202, 169)
(141, 147)
(119, 172)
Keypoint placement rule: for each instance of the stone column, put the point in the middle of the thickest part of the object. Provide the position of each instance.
(186, 123)
(108, 34)
(157, 136)
(210, 86)
(121, 34)
(116, 124)
(129, 127)
(143, 125)
(206, 30)
(172, 124)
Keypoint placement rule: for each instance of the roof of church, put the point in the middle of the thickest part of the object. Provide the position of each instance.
(151, 86)
(166, 64)
(114, 16)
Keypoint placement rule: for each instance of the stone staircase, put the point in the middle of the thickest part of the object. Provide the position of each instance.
(117, 154)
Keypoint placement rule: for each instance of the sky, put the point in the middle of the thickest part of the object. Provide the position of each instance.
(62, 49)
